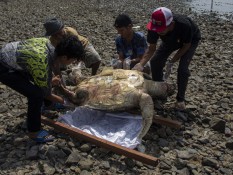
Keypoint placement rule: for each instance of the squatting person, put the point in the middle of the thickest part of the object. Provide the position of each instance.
(130, 45)
(56, 30)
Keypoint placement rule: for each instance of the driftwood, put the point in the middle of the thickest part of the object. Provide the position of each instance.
(167, 122)
(80, 135)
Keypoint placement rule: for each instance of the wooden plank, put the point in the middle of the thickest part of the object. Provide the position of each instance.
(78, 134)
(167, 122)
(160, 120)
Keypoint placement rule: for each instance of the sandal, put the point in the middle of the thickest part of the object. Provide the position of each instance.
(43, 136)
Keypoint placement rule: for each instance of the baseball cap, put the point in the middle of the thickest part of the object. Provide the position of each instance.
(52, 26)
(160, 19)
(122, 20)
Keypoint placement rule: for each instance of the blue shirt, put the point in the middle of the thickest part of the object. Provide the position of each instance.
(135, 48)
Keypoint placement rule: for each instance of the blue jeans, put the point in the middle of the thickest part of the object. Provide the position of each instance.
(20, 82)
(158, 62)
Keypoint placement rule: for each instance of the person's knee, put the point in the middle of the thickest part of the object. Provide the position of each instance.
(95, 65)
(92, 59)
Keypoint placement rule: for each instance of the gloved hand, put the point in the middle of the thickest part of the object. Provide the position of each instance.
(138, 67)
(116, 63)
(126, 63)
(168, 70)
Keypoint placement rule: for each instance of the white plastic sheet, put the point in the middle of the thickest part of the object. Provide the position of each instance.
(121, 128)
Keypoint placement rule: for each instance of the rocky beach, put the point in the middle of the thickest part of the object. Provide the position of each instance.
(204, 144)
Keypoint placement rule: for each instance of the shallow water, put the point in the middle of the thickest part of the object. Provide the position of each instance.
(217, 6)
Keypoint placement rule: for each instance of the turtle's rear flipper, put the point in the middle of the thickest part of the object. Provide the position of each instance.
(146, 76)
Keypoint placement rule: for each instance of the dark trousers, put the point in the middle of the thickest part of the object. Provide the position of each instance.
(21, 83)
(158, 62)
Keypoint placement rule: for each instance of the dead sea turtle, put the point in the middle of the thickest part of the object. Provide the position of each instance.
(118, 89)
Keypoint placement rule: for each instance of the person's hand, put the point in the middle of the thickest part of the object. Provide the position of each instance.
(117, 63)
(138, 67)
(68, 104)
(70, 94)
(126, 63)
(168, 70)
(67, 92)
(134, 61)
(56, 80)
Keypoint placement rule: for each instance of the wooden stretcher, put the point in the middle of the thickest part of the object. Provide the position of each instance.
(80, 135)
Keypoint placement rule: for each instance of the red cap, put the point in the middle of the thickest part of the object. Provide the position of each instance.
(160, 19)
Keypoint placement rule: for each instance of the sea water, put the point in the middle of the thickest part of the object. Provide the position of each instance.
(217, 6)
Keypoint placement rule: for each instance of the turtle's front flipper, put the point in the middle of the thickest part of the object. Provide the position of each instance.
(147, 110)
(107, 71)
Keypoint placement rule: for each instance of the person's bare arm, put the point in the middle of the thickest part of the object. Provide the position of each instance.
(56, 68)
(137, 60)
(57, 71)
(55, 98)
(180, 52)
(148, 54)
(146, 57)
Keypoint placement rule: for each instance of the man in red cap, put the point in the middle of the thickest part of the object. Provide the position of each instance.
(178, 33)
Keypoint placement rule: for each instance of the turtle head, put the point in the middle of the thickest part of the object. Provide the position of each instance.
(81, 96)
